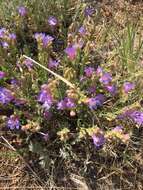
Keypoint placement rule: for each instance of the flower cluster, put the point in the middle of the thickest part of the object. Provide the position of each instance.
(6, 38)
(96, 102)
(6, 96)
(13, 122)
(135, 115)
(78, 90)
(66, 103)
(45, 97)
(43, 39)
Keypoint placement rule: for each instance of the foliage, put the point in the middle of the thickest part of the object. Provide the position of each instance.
(66, 94)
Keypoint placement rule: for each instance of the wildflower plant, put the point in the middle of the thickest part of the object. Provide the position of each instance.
(67, 96)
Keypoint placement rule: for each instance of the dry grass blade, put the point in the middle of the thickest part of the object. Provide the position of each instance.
(79, 182)
(53, 73)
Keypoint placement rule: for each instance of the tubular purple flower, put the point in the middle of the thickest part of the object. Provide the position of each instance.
(39, 36)
(118, 129)
(47, 104)
(89, 71)
(66, 103)
(82, 78)
(28, 63)
(82, 30)
(13, 122)
(105, 78)
(2, 32)
(70, 103)
(96, 102)
(137, 117)
(98, 140)
(5, 45)
(61, 105)
(99, 71)
(12, 36)
(45, 98)
(2, 74)
(53, 63)
(47, 40)
(71, 51)
(52, 21)
(5, 96)
(22, 11)
(89, 11)
(14, 82)
(112, 89)
(128, 86)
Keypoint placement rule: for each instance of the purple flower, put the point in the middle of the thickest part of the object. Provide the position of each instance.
(128, 86)
(70, 103)
(105, 78)
(5, 96)
(5, 45)
(14, 82)
(13, 122)
(71, 51)
(47, 104)
(39, 36)
(99, 71)
(89, 71)
(82, 78)
(136, 116)
(2, 32)
(28, 63)
(53, 63)
(52, 21)
(82, 30)
(112, 89)
(45, 98)
(12, 36)
(89, 11)
(98, 140)
(118, 129)
(47, 40)
(96, 102)
(22, 11)
(2, 74)
(61, 105)
(66, 103)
